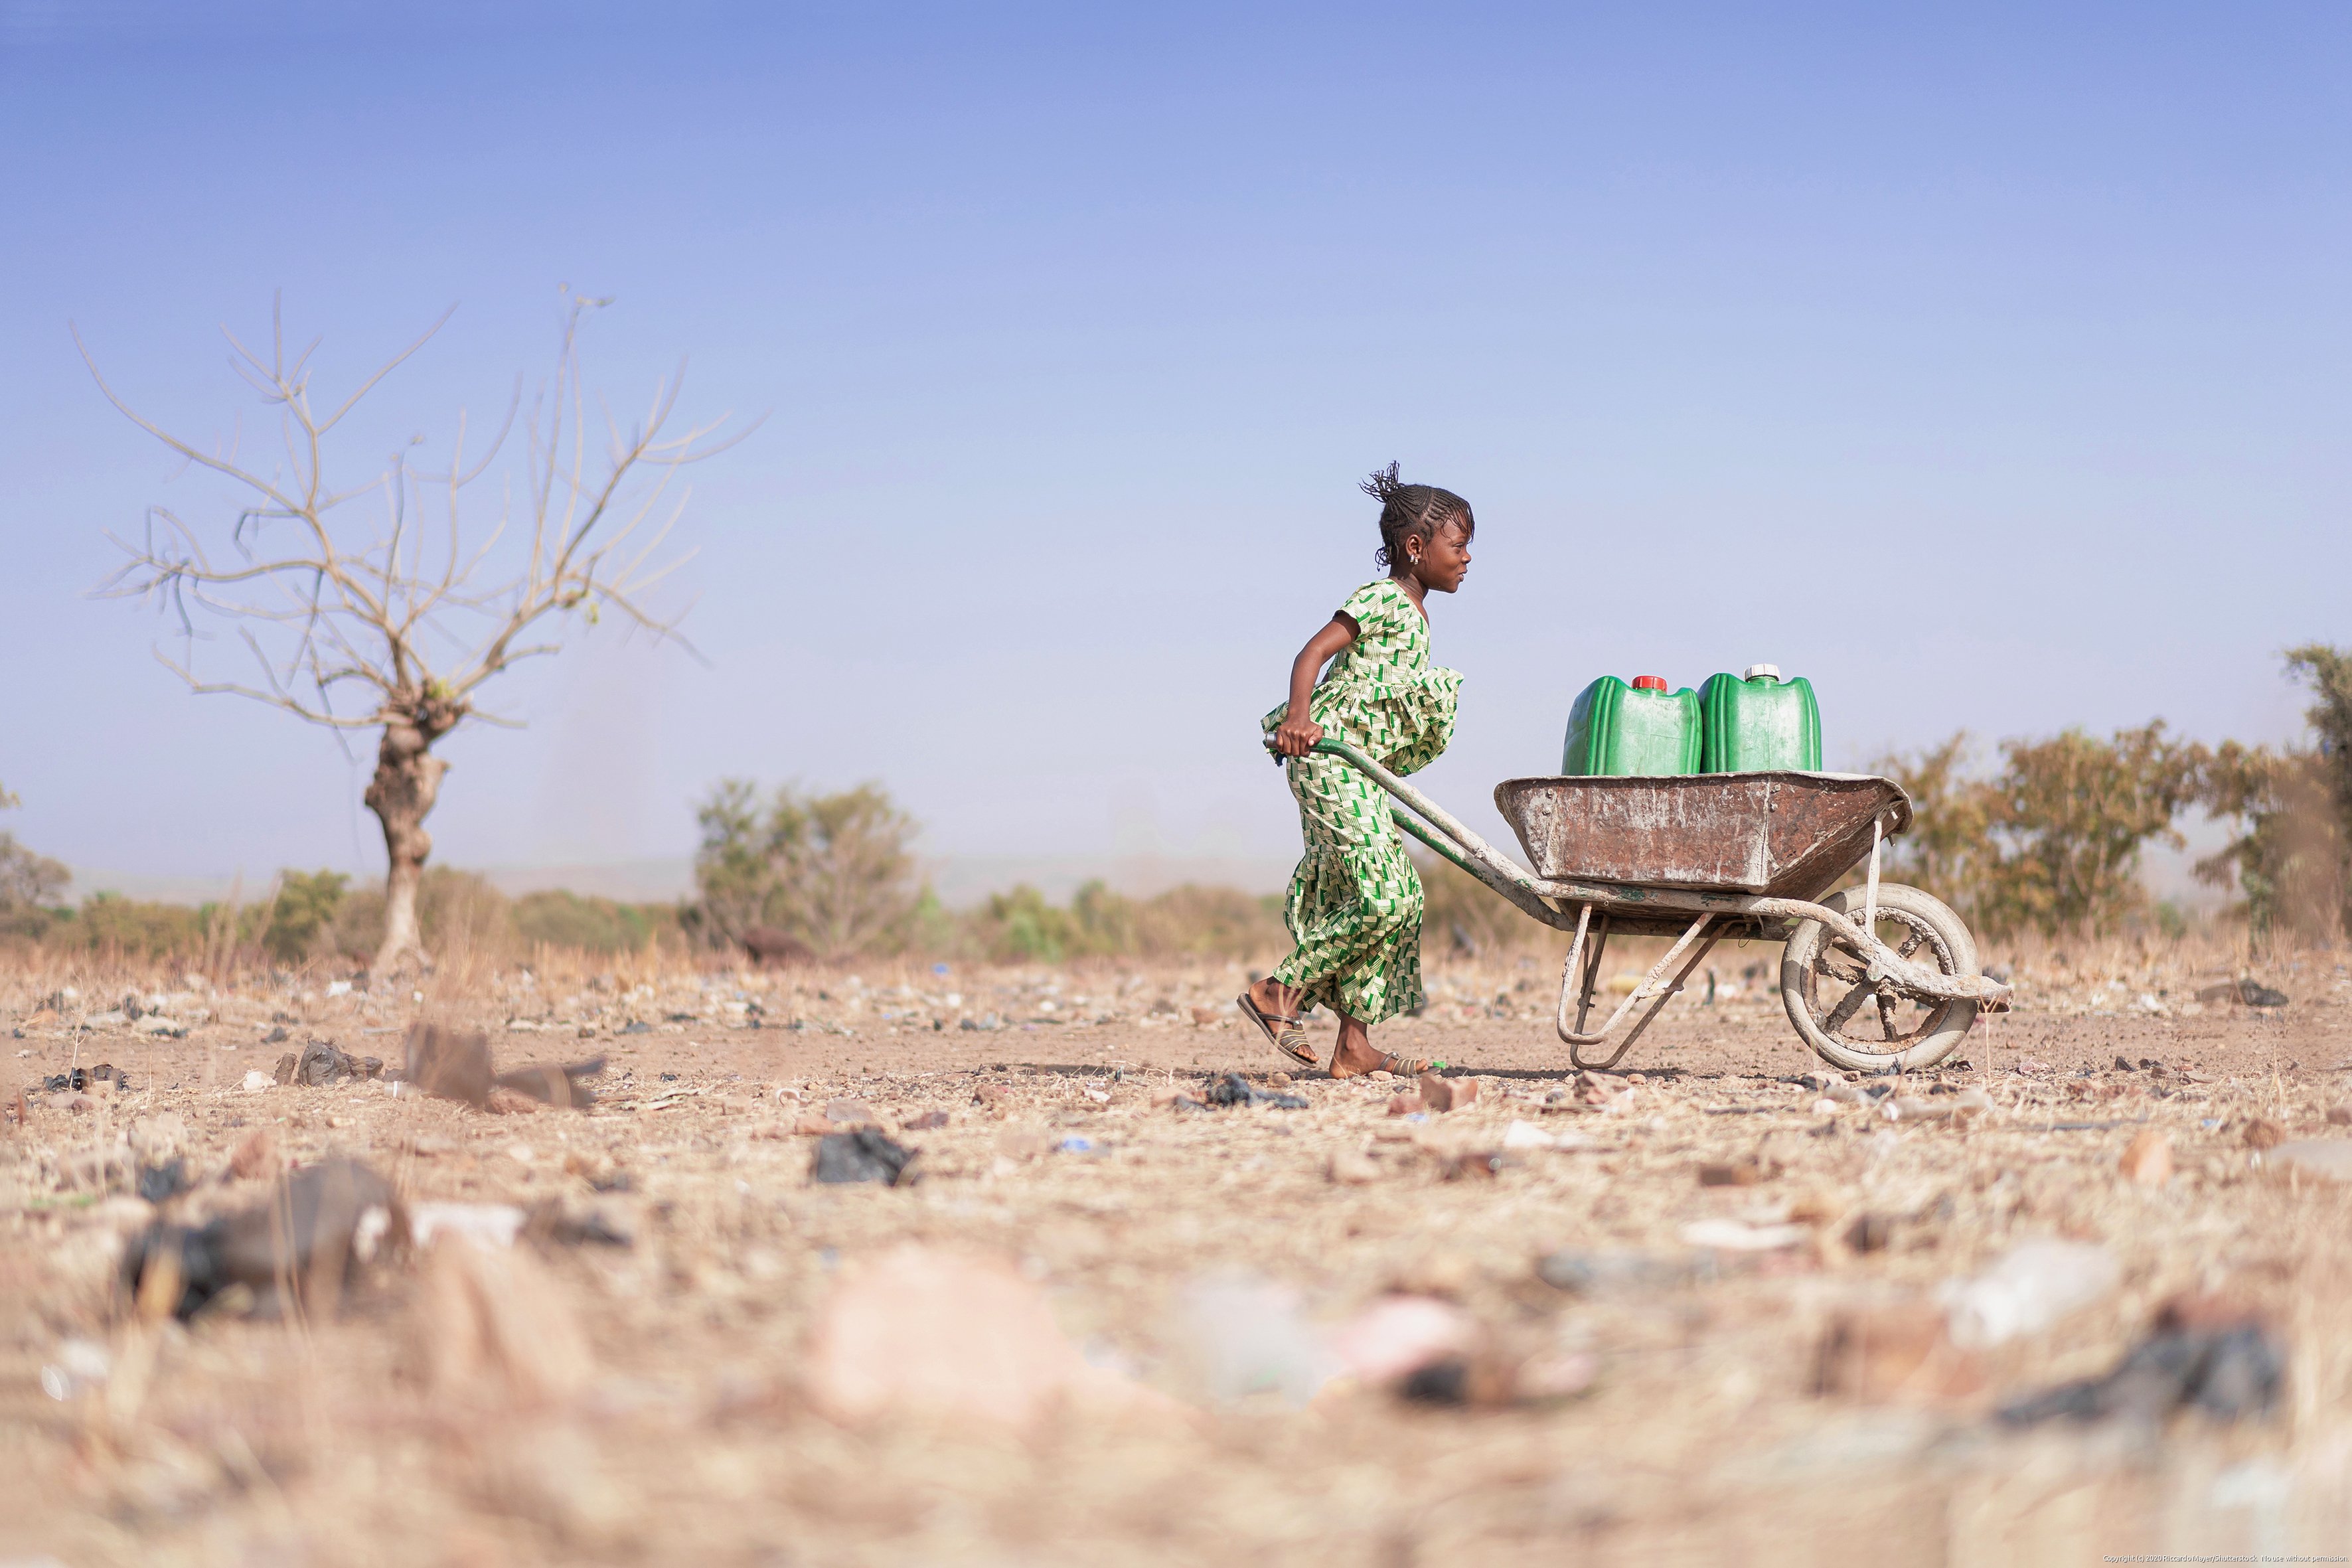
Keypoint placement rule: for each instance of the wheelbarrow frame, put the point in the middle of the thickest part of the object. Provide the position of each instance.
(1697, 918)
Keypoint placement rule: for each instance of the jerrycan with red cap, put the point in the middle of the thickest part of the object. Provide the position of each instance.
(1639, 727)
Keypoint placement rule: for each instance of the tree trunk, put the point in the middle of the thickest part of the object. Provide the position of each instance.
(408, 781)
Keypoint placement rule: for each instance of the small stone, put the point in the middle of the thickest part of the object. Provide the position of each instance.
(505, 1101)
(1279, 1080)
(1744, 1173)
(813, 1127)
(257, 1080)
(2148, 1159)
(925, 1123)
(1350, 1169)
(1204, 1016)
(1447, 1093)
(255, 1156)
(2264, 1134)
(2329, 1159)
(1405, 1104)
(2339, 1116)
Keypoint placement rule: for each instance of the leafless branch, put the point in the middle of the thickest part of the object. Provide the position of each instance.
(372, 596)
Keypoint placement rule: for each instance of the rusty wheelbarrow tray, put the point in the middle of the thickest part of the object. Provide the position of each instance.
(1710, 856)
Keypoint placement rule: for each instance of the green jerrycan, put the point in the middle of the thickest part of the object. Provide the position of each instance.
(1757, 720)
(1642, 728)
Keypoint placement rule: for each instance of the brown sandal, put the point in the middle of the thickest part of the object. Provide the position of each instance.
(1403, 1067)
(1290, 1040)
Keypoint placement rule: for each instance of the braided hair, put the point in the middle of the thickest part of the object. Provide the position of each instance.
(1411, 511)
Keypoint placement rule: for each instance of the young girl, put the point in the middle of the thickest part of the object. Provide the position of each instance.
(1354, 908)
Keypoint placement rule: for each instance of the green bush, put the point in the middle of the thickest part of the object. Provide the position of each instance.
(303, 912)
(559, 919)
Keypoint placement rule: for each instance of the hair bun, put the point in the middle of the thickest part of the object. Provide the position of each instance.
(1382, 486)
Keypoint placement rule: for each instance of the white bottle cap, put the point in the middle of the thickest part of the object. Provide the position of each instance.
(1758, 671)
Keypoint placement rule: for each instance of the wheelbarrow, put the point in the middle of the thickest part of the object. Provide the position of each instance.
(1879, 977)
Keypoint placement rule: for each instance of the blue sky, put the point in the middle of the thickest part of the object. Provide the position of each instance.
(1986, 366)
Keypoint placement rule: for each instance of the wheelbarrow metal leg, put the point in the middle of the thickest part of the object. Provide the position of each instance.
(1648, 991)
(1591, 978)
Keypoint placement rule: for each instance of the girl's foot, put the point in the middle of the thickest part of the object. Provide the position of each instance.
(1281, 1030)
(1354, 1055)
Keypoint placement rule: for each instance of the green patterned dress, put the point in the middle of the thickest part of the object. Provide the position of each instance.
(1354, 907)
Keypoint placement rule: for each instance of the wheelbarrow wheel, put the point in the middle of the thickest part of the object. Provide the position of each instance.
(1864, 1026)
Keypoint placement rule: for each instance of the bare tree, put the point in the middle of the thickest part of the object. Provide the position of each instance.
(384, 605)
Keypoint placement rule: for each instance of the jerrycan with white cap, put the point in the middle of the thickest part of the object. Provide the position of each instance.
(1757, 721)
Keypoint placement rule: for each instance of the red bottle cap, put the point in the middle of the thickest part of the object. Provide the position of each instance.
(1649, 683)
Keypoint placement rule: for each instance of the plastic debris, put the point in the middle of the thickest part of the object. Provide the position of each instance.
(317, 1228)
(2028, 1288)
(1582, 1272)
(1734, 1235)
(1232, 1088)
(1246, 1336)
(157, 1183)
(2198, 1354)
(863, 1155)
(485, 1224)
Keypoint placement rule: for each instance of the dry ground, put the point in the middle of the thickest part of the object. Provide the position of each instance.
(1699, 1439)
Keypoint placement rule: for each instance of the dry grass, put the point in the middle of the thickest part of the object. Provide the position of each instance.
(329, 1439)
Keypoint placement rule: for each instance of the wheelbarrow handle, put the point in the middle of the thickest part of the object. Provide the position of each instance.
(1438, 828)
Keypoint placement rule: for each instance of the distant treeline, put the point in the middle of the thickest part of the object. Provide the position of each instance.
(2049, 840)
(317, 915)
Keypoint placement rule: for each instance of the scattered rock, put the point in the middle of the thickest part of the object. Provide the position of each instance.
(1585, 1272)
(2147, 1159)
(1202, 1018)
(1351, 1169)
(492, 1321)
(2339, 1116)
(504, 1101)
(564, 1088)
(2262, 1135)
(927, 1331)
(2328, 1159)
(1893, 1353)
(927, 1121)
(1024, 1143)
(771, 948)
(449, 1064)
(319, 1063)
(1870, 1232)
(1745, 1171)
(864, 1155)
(850, 1114)
(256, 1155)
(1397, 1336)
(1447, 1093)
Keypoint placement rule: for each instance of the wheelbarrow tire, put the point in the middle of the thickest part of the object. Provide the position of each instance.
(1949, 948)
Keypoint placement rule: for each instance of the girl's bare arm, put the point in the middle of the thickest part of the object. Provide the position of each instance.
(1298, 731)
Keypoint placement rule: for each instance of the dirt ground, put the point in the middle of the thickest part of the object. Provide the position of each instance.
(1655, 1395)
